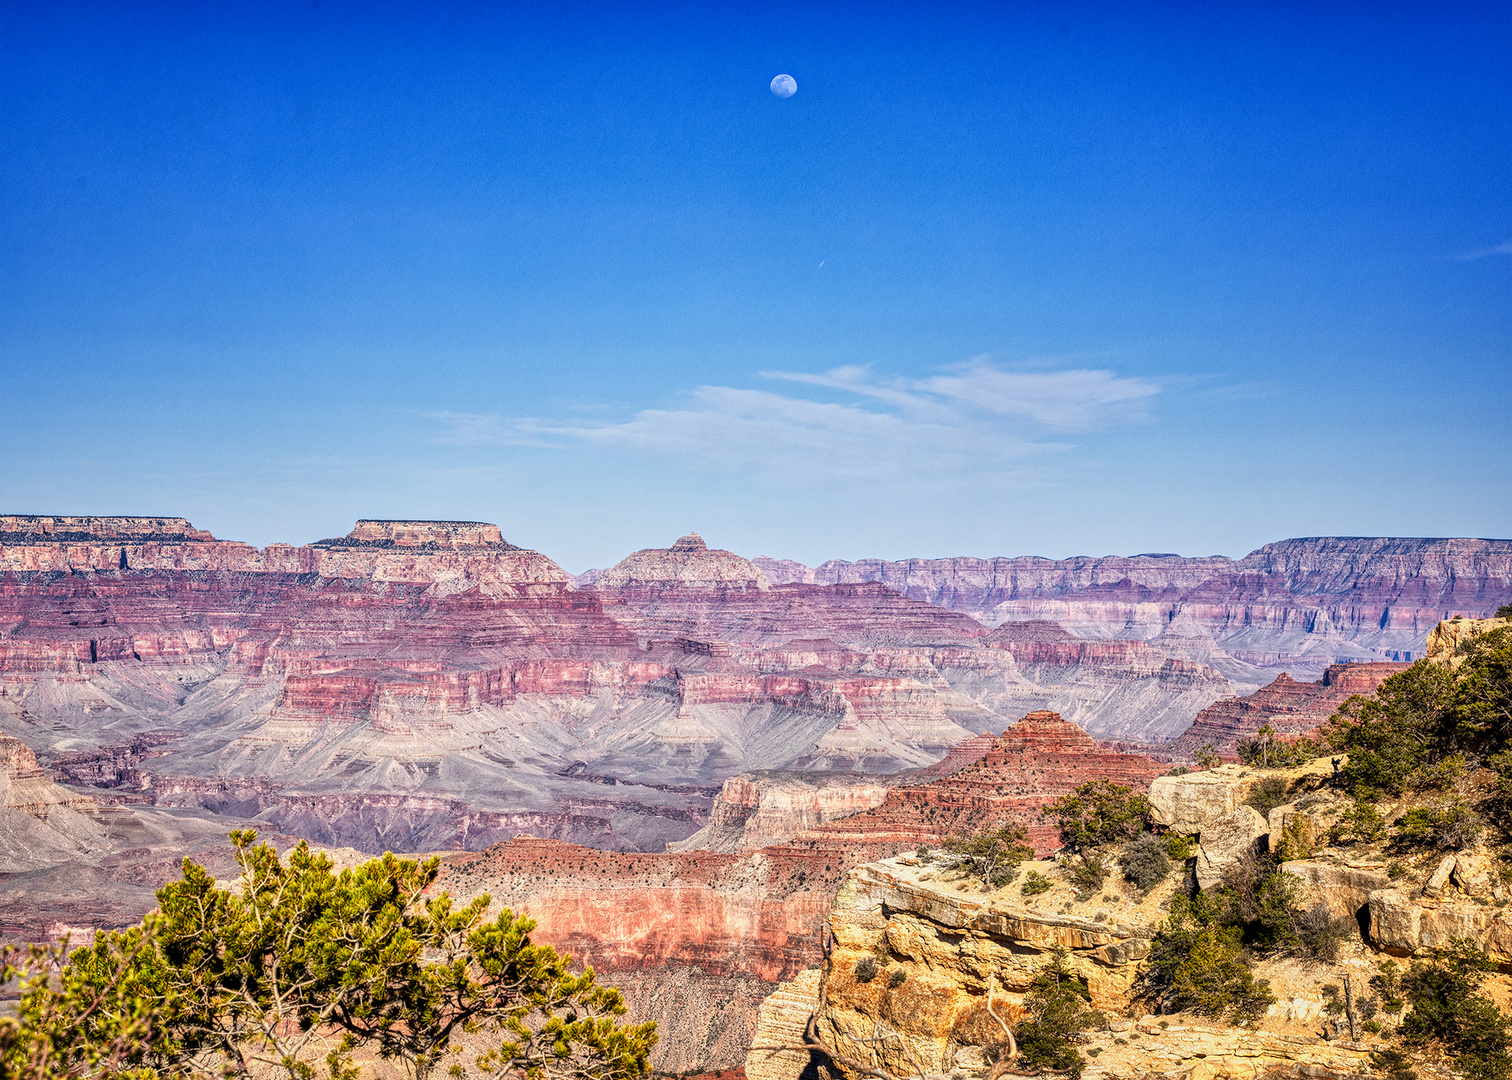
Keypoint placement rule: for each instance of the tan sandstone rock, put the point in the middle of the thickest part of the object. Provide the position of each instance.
(1227, 840)
(781, 1022)
(1344, 890)
(1185, 804)
(1446, 639)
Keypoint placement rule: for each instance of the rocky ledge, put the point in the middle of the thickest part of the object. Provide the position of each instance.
(945, 952)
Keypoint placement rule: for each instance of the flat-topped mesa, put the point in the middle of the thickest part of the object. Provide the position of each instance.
(450, 556)
(689, 563)
(62, 529)
(53, 544)
(430, 535)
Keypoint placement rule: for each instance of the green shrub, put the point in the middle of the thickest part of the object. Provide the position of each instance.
(1207, 757)
(1393, 1064)
(866, 969)
(1057, 1012)
(1197, 964)
(1179, 770)
(1396, 869)
(1388, 983)
(1446, 1010)
(993, 856)
(1361, 824)
(1145, 861)
(1179, 847)
(1086, 872)
(1450, 826)
(1267, 750)
(219, 977)
(897, 978)
(1099, 812)
(1298, 839)
(1267, 795)
(1034, 883)
(1391, 735)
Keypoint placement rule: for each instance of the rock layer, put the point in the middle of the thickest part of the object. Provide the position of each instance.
(1289, 706)
(1297, 605)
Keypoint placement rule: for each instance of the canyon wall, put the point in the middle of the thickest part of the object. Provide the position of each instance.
(1297, 605)
(429, 685)
(699, 938)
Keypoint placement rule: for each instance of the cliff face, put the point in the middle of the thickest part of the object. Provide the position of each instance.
(948, 957)
(448, 556)
(1034, 762)
(1296, 604)
(419, 685)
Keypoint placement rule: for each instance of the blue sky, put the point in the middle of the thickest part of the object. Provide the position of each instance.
(999, 279)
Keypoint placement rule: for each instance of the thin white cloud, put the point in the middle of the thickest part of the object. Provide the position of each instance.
(1500, 249)
(1074, 400)
(969, 422)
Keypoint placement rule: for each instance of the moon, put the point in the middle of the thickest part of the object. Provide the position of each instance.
(784, 86)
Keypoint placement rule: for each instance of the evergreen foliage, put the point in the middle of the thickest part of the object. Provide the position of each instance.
(1447, 1010)
(1198, 963)
(1099, 812)
(993, 856)
(295, 967)
(1267, 750)
(1416, 731)
(1057, 1013)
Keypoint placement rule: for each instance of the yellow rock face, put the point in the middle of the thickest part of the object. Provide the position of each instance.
(939, 946)
(1446, 639)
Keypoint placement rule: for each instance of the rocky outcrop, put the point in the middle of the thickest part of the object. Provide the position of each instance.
(1189, 802)
(1289, 706)
(1448, 640)
(1344, 889)
(943, 956)
(753, 919)
(1034, 762)
(755, 810)
(1298, 605)
(1463, 897)
(1226, 841)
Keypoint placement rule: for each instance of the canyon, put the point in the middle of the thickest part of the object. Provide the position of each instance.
(1295, 605)
(429, 685)
(671, 764)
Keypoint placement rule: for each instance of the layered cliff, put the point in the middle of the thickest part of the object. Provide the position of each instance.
(952, 965)
(1289, 706)
(418, 685)
(1296, 604)
(449, 556)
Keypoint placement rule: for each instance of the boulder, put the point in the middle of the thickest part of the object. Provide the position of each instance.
(1186, 804)
(1395, 922)
(1474, 874)
(1344, 890)
(1439, 879)
(1227, 840)
(1308, 834)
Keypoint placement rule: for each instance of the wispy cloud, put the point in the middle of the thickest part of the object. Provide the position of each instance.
(974, 419)
(1504, 248)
